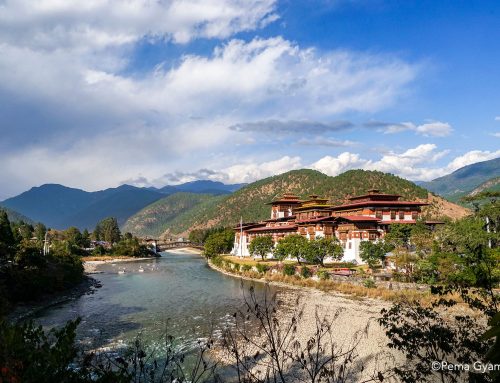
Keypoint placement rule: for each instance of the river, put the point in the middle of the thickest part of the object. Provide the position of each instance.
(177, 293)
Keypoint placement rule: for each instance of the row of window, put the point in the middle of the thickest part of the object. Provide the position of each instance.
(400, 214)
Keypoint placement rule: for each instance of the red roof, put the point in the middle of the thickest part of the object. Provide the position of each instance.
(379, 203)
(273, 228)
(317, 219)
(359, 218)
(376, 195)
(400, 221)
(289, 218)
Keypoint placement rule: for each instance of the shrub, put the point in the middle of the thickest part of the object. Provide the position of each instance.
(246, 268)
(305, 272)
(323, 275)
(236, 266)
(217, 261)
(289, 270)
(261, 268)
(369, 283)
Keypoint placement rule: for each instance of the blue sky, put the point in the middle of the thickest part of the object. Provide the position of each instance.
(97, 93)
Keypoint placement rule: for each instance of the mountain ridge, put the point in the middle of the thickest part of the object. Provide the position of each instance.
(60, 206)
(464, 180)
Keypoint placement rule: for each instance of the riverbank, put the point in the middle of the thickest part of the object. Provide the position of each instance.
(90, 265)
(27, 310)
(354, 321)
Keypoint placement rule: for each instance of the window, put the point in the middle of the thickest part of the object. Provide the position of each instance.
(401, 215)
(414, 215)
(350, 245)
(393, 214)
(378, 214)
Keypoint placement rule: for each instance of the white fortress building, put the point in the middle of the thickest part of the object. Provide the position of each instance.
(366, 217)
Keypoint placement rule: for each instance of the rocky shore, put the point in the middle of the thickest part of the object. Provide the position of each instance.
(354, 321)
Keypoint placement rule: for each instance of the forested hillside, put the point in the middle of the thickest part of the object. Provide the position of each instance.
(154, 219)
(250, 201)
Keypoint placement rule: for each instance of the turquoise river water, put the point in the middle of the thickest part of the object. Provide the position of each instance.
(177, 293)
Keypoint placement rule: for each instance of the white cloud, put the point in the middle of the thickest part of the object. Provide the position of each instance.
(497, 118)
(497, 134)
(435, 129)
(325, 141)
(335, 165)
(414, 164)
(252, 171)
(99, 24)
(418, 164)
(472, 157)
(67, 95)
(429, 129)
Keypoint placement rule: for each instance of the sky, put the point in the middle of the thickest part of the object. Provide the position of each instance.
(97, 93)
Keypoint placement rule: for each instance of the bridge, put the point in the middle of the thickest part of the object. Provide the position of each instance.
(162, 245)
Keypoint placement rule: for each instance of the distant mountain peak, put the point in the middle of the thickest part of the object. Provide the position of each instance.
(464, 180)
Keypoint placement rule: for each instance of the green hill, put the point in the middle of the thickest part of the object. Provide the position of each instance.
(250, 201)
(14, 216)
(464, 180)
(155, 219)
(492, 185)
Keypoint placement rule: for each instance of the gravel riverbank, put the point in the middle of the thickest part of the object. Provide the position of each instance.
(354, 321)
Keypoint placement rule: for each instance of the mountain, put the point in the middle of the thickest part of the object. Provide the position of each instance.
(14, 216)
(250, 201)
(154, 219)
(202, 186)
(125, 201)
(464, 180)
(492, 185)
(59, 207)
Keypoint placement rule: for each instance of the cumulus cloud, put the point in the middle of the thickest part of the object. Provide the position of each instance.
(335, 165)
(252, 171)
(179, 177)
(67, 95)
(83, 24)
(414, 164)
(497, 134)
(429, 129)
(472, 157)
(417, 164)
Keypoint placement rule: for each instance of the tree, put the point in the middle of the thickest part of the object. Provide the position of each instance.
(85, 239)
(465, 263)
(373, 253)
(422, 239)
(219, 243)
(29, 255)
(321, 247)
(39, 232)
(295, 246)
(7, 240)
(399, 235)
(197, 236)
(261, 246)
(73, 236)
(21, 231)
(107, 230)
